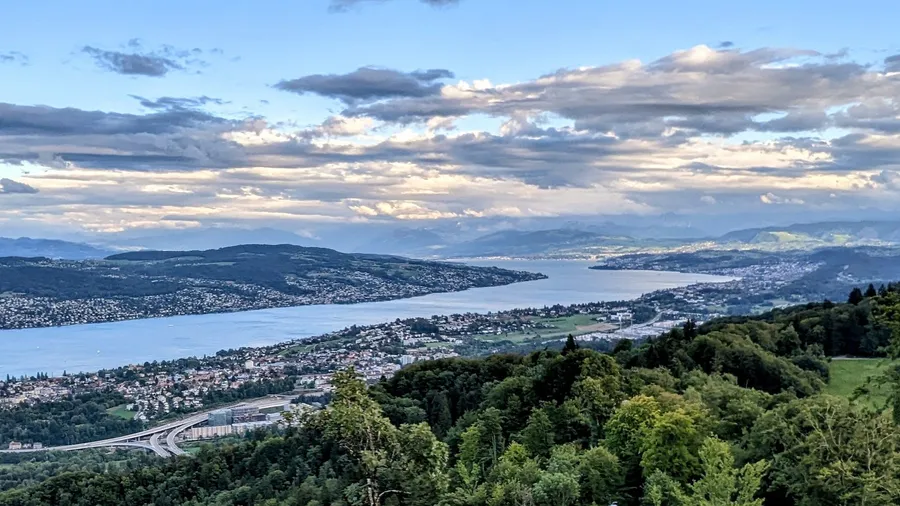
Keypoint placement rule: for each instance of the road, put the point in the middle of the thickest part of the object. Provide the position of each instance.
(156, 447)
(150, 439)
(648, 323)
(170, 439)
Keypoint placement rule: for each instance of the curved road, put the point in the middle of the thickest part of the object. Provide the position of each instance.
(172, 429)
(157, 448)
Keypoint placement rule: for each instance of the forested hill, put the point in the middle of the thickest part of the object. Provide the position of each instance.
(43, 292)
(730, 413)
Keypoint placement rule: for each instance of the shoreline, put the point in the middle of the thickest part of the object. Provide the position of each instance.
(253, 323)
(265, 308)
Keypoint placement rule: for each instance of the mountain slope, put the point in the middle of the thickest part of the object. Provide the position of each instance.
(824, 232)
(49, 248)
(519, 242)
(209, 238)
(41, 292)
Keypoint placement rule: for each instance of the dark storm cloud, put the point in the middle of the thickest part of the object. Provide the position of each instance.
(14, 57)
(369, 83)
(343, 5)
(8, 186)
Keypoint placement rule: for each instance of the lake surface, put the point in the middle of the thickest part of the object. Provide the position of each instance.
(104, 345)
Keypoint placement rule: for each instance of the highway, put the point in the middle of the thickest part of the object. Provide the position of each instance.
(156, 447)
(150, 439)
(170, 439)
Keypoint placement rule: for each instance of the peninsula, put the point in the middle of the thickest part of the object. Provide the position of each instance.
(40, 292)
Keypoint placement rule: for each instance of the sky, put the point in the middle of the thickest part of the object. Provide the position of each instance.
(147, 116)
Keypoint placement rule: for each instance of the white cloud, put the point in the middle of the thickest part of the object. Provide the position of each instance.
(698, 125)
(772, 199)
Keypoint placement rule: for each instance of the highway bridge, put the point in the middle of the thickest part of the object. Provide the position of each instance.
(150, 439)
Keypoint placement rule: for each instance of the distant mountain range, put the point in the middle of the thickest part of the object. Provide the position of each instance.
(571, 239)
(50, 248)
(208, 238)
(826, 233)
(519, 242)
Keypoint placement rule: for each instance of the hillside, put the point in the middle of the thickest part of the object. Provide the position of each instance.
(578, 240)
(824, 233)
(50, 248)
(528, 242)
(730, 413)
(43, 292)
(205, 238)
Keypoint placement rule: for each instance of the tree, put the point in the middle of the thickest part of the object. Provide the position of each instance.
(627, 427)
(420, 466)
(491, 443)
(625, 431)
(871, 292)
(441, 416)
(559, 486)
(721, 484)
(538, 436)
(856, 296)
(690, 330)
(469, 467)
(570, 345)
(788, 341)
(355, 421)
(671, 446)
(409, 458)
(513, 479)
(825, 451)
(602, 478)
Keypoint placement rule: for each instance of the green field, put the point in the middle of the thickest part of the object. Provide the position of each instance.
(849, 374)
(121, 412)
(559, 327)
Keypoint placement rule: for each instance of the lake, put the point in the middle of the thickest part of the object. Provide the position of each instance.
(105, 345)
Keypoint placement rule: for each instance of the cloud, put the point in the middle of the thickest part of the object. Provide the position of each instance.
(369, 83)
(8, 186)
(888, 178)
(183, 138)
(746, 130)
(174, 103)
(700, 90)
(14, 57)
(135, 60)
(340, 126)
(344, 5)
(772, 199)
(892, 63)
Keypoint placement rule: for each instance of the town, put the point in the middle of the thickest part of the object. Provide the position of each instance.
(41, 292)
(160, 390)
